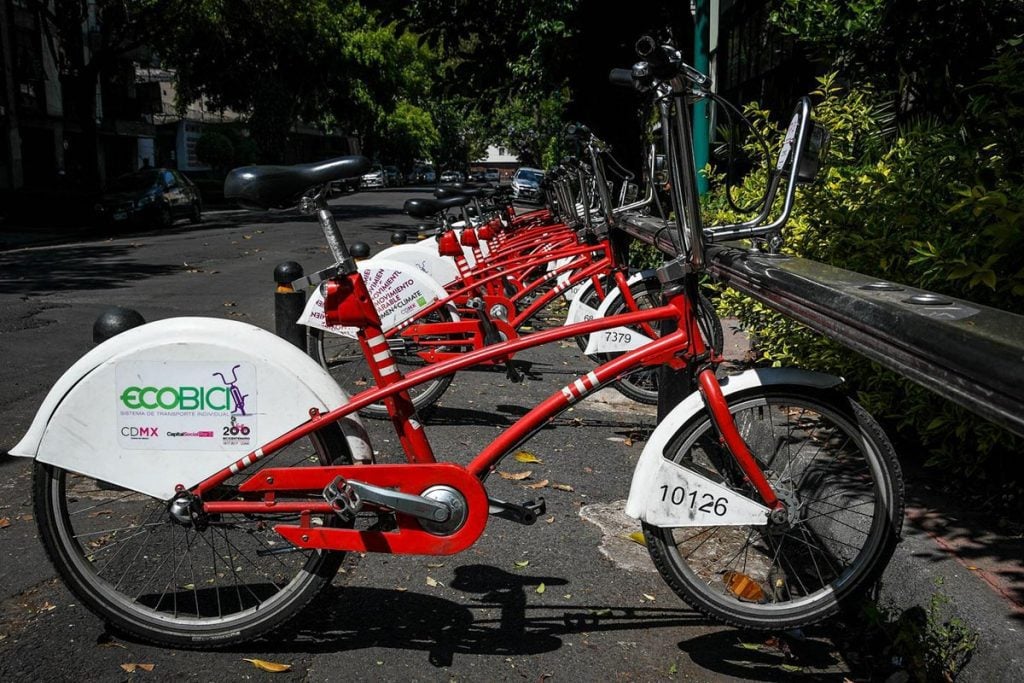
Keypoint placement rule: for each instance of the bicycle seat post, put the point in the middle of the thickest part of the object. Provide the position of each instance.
(336, 243)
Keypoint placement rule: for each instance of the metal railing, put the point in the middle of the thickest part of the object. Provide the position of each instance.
(966, 352)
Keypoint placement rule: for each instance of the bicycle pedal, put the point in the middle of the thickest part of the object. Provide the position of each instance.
(512, 374)
(526, 513)
(343, 499)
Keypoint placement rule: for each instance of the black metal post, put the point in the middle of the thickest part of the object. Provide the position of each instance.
(288, 304)
(115, 320)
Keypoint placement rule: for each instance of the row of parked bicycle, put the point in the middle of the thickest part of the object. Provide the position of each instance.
(768, 499)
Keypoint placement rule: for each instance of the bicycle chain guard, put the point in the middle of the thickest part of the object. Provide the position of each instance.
(413, 479)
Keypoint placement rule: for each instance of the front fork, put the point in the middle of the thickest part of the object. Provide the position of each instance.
(730, 436)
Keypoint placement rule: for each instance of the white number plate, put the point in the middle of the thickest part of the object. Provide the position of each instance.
(684, 498)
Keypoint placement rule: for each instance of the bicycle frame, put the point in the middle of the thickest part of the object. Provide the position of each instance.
(680, 349)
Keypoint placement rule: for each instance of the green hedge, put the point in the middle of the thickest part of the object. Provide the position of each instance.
(933, 204)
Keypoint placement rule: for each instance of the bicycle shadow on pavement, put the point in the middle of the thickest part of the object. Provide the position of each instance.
(766, 657)
(494, 619)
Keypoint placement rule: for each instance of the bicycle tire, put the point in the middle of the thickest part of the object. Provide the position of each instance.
(95, 532)
(343, 358)
(845, 492)
(642, 385)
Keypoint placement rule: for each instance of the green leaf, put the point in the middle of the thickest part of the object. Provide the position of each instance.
(541, 588)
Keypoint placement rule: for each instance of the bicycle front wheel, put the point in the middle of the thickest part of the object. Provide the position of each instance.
(222, 580)
(835, 470)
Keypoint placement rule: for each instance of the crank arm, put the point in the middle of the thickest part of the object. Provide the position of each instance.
(406, 503)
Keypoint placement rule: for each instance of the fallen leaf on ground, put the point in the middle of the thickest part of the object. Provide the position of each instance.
(269, 667)
(522, 563)
(4, 522)
(108, 642)
(130, 667)
(601, 612)
(627, 442)
(562, 487)
(515, 476)
(541, 588)
(432, 582)
(637, 537)
(550, 520)
(435, 565)
(537, 485)
(525, 456)
(649, 597)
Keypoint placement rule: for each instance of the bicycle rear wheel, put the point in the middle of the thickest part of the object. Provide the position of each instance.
(343, 358)
(226, 580)
(832, 465)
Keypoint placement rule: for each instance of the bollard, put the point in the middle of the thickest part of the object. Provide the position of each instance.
(114, 321)
(288, 305)
(399, 238)
(359, 250)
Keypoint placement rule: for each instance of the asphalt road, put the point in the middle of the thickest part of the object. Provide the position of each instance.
(604, 614)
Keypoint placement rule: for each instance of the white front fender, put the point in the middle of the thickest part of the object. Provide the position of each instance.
(653, 470)
(399, 291)
(175, 401)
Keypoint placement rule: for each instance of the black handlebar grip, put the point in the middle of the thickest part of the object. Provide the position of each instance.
(621, 77)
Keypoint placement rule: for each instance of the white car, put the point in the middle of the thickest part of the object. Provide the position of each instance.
(526, 184)
(375, 178)
(451, 177)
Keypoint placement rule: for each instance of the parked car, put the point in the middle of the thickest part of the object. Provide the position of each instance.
(149, 196)
(422, 174)
(346, 185)
(451, 177)
(492, 175)
(392, 176)
(477, 176)
(373, 178)
(526, 184)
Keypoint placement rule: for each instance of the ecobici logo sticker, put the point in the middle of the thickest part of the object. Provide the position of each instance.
(186, 406)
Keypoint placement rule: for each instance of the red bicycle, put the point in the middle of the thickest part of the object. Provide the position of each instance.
(768, 498)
